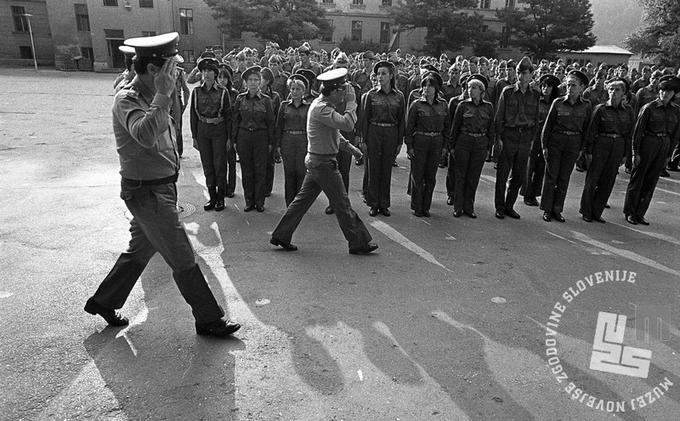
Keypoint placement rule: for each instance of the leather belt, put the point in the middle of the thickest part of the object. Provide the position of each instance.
(568, 133)
(383, 124)
(474, 134)
(325, 155)
(660, 134)
(295, 131)
(154, 182)
(519, 128)
(612, 135)
(429, 134)
(251, 129)
(211, 120)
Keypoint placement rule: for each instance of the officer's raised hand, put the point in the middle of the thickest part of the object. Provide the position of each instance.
(164, 80)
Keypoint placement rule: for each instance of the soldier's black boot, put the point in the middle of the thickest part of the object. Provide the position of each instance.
(210, 204)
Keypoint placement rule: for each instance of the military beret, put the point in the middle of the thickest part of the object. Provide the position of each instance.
(480, 78)
(550, 80)
(254, 70)
(511, 64)
(383, 63)
(669, 83)
(429, 68)
(207, 63)
(368, 55)
(333, 78)
(298, 76)
(307, 74)
(341, 58)
(580, 76)
(463, 78)
(158, 46)
(226, 67)
(432, 77)
(267, 74)
(524, 65)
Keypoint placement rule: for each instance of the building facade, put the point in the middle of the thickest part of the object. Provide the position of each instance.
(15, 37)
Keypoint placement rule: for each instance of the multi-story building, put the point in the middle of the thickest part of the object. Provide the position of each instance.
(15, 37)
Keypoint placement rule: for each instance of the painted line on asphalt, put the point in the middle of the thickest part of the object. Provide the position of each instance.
(560, 237)
(669, 180)
(488, 178)
(399, 238)
(625, 253)
(656, 235)
(668, 191)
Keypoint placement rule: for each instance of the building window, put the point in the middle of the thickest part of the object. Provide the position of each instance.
(148, 33)
(25, 52)
(385, 32)
(485, 4)
(328, 35)
(82, 18)
(387, 2)
(357, 2)
(113, 3)
(188, 55)
(148, 4)
(186, 21)
(20, 21)
(356, 30)
(485, 28)
(509, 3)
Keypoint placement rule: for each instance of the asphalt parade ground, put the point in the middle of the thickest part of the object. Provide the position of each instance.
(451, 319)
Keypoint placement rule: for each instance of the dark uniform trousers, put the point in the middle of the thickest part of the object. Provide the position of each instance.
(155, 227)
(293, 152)
(563, 150)
(270, 170)
(469, 153)
(344, 159)
(231, 171)
(653, 152)
(324, 177)
(424, 165)
(212, 147)
(535, 169)
(513, 163)
(601, 176)
(451, 176)
(381, 144)
(253, 148)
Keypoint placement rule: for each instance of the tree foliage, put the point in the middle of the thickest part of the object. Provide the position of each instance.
(659, 38)
(547, 26)
(447, 27)
(283, 21)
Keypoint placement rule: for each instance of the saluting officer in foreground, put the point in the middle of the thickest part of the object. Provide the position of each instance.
(324, 140)
(149, 165)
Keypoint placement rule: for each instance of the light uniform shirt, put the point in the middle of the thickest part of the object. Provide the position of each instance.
(323, 129)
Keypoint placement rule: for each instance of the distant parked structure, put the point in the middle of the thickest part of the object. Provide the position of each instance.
(608, 54)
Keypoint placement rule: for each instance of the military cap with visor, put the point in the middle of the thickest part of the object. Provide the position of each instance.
(550, 80)
(158, 46)
(580, 76)
(669, 83)
(333, 79)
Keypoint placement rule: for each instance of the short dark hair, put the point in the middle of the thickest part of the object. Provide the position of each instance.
(327, 90)
(140, 63)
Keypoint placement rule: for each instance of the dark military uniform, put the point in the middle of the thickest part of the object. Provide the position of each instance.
(291, 136)
(253, 126)
(383, 126)
(271, 159)
(608, 141)
(451, 171)
(563, 136)
(451, 91)
(516, 122)
(471, 131)
(657, 130)
(536, 162)
(596, 96)
(211, 127)
(427, 131)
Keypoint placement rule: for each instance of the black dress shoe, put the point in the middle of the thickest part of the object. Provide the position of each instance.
(230, 195)
(268, 194)
(547, 217)
(219, 205)
(587, 218)
(642, 220)
(558, 217)
(499, 214)
(419, 214)
(219, 328)
(631, 220)
(359, 162)
(530, 201)
(449, 201)
(286, 246)
(607, 206)
(394, 164)
(249, 208)
(512, 214)
(471, 214)
(108, 314)
(259, 208)
(209, 205)
(384, 211)
(458, 213)
(373, 212)
(599, 219)
(368, 248)
(329, 210)
(664, 173)
(426, 214)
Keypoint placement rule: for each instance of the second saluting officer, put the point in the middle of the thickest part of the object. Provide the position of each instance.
(324, 141)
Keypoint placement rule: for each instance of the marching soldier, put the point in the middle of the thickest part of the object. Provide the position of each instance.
(149, 169)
